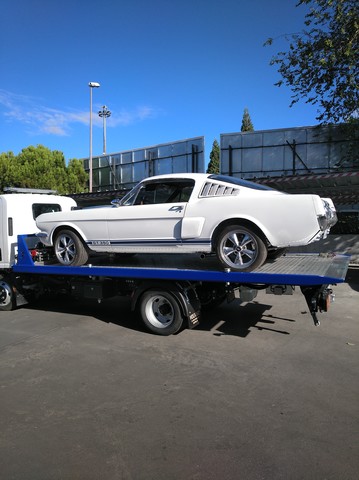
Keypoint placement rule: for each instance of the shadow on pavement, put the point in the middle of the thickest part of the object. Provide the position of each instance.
(115, 310)
(228, 319)
(238, 320)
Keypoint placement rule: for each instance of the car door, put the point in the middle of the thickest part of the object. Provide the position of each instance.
(153, 219)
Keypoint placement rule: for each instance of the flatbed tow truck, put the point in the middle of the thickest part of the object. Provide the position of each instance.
(169, 292)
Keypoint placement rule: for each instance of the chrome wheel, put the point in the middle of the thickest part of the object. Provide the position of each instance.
(240, 249)
(69, 249)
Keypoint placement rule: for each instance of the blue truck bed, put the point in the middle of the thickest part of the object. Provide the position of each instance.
(169, 290)
(292, 269)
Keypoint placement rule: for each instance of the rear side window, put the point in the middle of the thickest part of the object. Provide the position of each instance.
(39, 208)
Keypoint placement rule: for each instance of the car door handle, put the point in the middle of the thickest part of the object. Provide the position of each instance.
(177, 208)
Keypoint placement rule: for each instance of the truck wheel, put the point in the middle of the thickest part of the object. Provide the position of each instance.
(240, 249)
(7, 296)
(160, 312)
(69, 249)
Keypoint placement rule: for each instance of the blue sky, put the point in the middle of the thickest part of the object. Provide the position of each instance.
(168, 69)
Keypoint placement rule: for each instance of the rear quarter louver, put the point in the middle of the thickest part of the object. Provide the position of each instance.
(211, 189)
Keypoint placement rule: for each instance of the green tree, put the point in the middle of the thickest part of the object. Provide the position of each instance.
(213, 166)
(76, 176)
(247, 125)
(322, 62)
(39, 167)
(7, 170)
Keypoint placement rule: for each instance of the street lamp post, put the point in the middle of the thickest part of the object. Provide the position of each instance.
(104, 113)
(91, 85)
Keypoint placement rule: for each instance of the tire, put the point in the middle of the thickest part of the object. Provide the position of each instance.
(69, 249)
(160, 312)
(7, 296)
(240, 249)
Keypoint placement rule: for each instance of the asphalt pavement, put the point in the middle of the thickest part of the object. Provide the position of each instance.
(256, 391)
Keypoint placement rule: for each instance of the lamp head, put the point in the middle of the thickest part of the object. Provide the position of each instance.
(94, 84)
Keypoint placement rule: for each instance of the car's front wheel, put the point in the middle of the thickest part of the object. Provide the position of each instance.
(240, 249)
(69, 249)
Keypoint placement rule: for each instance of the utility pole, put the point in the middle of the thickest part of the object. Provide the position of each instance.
(91, 85)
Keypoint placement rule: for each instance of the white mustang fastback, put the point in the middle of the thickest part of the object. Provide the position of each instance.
(243, 223)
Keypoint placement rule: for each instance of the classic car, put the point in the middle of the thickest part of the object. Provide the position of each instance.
(241, 222)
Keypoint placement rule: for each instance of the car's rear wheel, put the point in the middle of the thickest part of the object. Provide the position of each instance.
(241, 249)
(69, 248)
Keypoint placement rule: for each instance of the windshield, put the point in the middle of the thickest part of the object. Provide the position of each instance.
(129, 198)
(239, 181)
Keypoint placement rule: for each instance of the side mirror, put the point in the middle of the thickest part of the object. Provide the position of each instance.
(116, 202)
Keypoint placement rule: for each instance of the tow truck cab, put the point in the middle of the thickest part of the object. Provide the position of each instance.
(18, 212)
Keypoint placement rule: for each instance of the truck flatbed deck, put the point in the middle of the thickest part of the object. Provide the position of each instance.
(169, 290)
(292, 269)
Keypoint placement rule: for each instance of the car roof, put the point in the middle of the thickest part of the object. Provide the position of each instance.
(194, 176)
(202, 177)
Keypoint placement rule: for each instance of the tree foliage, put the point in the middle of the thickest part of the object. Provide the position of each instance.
(322, 62)
(213, 166)
(39, 167)
(247, 125)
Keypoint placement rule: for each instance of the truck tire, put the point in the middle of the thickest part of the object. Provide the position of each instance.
(240, 249)
(160, 312)
(69, 249)
(7, 296)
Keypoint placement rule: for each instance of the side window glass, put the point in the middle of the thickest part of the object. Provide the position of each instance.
(182, 192)
(186, 193)
(39, 208)
(164, 193)
(146, 195)
(178, 192)
(155, 193)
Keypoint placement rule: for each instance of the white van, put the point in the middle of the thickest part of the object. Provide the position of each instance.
(18, 212)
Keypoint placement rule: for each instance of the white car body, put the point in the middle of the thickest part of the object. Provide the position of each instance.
(193, 222)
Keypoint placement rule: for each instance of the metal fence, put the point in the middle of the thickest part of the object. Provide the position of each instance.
(125, 169)
(291, 151)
